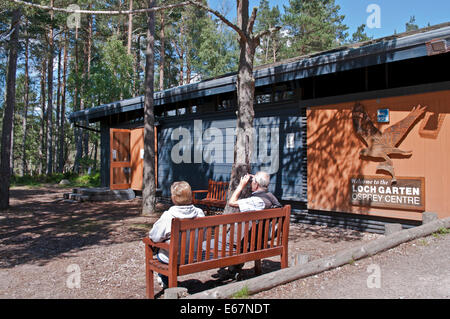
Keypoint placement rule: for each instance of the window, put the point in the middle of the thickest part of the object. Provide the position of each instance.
(226, 102)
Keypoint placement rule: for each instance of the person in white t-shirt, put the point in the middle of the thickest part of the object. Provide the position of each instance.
(260, 199)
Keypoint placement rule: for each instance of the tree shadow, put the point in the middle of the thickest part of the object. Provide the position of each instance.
(40, 226)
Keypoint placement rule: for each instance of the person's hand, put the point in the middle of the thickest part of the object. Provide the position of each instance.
(245, 179)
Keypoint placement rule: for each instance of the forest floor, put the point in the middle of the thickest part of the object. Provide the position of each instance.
(46, 242)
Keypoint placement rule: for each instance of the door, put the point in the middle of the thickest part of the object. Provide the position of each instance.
(120, 159)
(127, 158)
(137, 158)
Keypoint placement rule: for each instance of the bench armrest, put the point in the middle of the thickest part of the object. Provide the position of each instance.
(151, 243)
(197, 192)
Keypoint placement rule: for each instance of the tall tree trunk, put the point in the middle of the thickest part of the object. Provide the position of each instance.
(5, 157)
(245, 95)
(58, 113)
(43, 119)
(162, 53)
(130, 28)
(49, 169)
(77, 131)
(86, 77)
(137, 67)
(181, 52)
(149, 191)
(26, 102)
(63, 109)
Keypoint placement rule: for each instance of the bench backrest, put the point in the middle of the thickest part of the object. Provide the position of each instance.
(219, 241)
(217, 190)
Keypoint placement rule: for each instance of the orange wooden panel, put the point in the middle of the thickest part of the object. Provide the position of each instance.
(333, 153)
(120, 159)
(137, 160)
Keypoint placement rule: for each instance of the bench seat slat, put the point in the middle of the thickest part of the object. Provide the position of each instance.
(208, 240)
(183, 247)
(191, 246)
(224, 240)
(216, 242)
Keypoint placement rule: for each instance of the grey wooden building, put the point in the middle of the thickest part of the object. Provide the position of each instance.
(196, 123)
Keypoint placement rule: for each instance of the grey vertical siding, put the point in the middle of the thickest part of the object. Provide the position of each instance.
(288, 178)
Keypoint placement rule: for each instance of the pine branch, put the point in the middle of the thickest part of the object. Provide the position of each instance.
(221, 17)
(266, 32)
(252, 20)
(126, 12)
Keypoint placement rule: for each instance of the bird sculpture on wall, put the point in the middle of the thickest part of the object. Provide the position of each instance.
(382, 145)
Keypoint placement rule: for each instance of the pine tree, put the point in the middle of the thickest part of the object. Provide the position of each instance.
(7, 129)
(411, 24)
(270, 44)
(313, 26)
(360, 35)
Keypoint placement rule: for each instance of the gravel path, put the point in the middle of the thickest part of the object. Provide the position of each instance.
(419, 269)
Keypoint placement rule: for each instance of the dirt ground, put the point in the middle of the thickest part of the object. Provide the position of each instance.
(47, 243)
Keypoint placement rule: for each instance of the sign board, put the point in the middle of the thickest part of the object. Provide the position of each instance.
(383, 116)
(372, 191)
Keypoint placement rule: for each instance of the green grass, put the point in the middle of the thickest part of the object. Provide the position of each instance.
(241, 294)
(75, 180)
(441, 232)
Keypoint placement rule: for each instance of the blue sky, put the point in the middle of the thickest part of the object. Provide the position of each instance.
(393, 13)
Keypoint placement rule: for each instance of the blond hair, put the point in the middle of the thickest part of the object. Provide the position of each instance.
(181, 193)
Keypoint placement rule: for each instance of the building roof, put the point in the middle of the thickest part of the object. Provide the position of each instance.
(389, 49)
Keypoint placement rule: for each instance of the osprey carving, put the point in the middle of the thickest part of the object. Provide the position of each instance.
(381, 145)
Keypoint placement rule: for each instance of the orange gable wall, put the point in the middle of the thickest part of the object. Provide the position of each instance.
(333, 153)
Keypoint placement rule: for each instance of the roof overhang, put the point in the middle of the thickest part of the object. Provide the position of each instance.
(381, 51)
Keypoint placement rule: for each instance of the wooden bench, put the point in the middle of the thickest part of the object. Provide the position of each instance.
(216, 195)
(230, 239)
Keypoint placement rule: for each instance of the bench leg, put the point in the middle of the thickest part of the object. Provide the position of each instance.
(284, 260)
(258, 267)
(150, 284)
(173, 281)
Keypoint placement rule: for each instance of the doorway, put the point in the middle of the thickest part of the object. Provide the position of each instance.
(127, 158)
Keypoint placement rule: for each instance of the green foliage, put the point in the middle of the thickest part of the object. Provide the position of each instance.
(441, 232)
(217, 51)
(411, 25)
(270, 44)
(75, 180)
(241, 294)
(313, 26)
(360, 35)
(111, 77)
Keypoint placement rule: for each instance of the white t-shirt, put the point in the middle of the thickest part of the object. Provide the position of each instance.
(251, 204)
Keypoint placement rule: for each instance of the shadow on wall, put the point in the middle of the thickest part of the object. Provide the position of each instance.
(333, 156)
